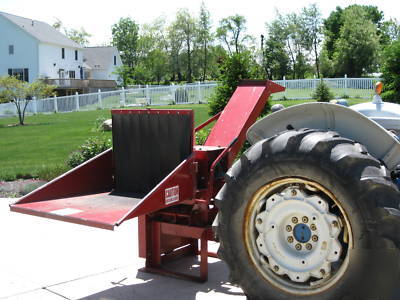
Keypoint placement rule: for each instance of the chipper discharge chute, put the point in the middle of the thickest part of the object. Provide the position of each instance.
(309, 211)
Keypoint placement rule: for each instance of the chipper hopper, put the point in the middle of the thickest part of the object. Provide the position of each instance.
(309, 211)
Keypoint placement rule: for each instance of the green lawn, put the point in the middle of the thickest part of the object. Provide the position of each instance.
(41, 148)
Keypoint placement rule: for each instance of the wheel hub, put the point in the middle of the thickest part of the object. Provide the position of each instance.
(297, 234)
(302, 233)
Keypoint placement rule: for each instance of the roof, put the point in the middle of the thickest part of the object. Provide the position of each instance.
(41, 31)
(99, 57)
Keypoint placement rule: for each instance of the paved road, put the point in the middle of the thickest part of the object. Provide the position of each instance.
(46, 259)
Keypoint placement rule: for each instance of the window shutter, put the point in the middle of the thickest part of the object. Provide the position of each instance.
(26, 75)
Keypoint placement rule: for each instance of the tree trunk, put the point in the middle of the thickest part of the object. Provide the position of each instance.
(189, 65)
(293, 60)
(316, 59)
(205, 62)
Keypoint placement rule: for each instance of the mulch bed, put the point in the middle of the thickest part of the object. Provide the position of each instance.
(18, 188)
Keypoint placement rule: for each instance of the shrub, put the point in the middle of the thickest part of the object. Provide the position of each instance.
(234, 69)
(90, 148)
(322, 92)
(391, 73)
(201, 136)
(98, 124)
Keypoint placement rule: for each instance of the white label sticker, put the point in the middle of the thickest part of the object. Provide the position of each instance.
(66, 211)
(172, 194)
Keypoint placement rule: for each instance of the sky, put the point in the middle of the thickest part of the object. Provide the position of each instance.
(97, 17)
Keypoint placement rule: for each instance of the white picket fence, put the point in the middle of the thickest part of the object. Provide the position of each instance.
(184, 94)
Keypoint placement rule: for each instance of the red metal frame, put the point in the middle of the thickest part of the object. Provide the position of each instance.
(179, 211)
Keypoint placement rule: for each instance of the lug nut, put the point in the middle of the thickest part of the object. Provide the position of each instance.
(314, 238)
(288, 228)
(308, 246)
(313, 227)
(298, 247)
(290, 239)
(322, 271)
(304, 219)
(295, 220)
(276, 268)
(259, 221)
(335, 224)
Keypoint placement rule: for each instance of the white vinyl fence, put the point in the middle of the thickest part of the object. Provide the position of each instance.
(184, 94)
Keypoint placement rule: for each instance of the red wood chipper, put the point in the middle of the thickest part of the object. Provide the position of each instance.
(310, 210)
(155, 172)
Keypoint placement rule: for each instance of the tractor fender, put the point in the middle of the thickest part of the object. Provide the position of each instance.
(351, 124)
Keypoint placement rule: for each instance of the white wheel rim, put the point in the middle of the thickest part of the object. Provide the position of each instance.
(294, 239)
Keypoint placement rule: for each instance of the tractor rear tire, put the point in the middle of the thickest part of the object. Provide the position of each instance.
(310, 214)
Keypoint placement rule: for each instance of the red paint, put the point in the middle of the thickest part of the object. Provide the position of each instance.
(242, 110)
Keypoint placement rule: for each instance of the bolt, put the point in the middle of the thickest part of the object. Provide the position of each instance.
(335, 224)
(288, 228)
(298, 247)
(290, 239)
(295, 220)
(322, 271)
(313, 227)
(308, 246)
(314, 238)
(304, 219)
(259, 221)
(294, 193)
(276, 268)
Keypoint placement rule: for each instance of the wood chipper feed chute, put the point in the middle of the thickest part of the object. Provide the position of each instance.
(152, 151)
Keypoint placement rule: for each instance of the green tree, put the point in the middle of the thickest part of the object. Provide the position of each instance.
(125, 36)
(21, 92)
(322, 92)
(125, 75)
(391, 72)
(152, 65)
(275, 58)
(333, 24)
(390, 31)
(234, 69)
(185, 24)
(175, 44)
(357, 48)
(204, 38)
(231, 32)
(80, 36)
(312, 31)
(291, 28)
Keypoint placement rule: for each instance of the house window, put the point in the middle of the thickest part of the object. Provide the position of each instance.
(115, 60)
(10, 49)
(62, 53)
(21, 74)
(76, 54)
(71, 74)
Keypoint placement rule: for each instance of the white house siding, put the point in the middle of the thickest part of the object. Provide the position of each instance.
(51, 61)
(25, 49)
(99, 74)
(113, 68)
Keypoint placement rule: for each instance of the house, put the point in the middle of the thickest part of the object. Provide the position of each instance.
(31, 49)
(101, 62)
